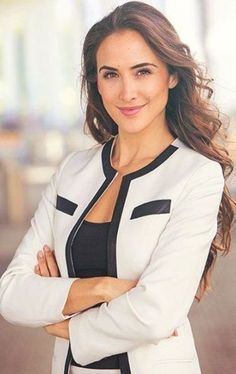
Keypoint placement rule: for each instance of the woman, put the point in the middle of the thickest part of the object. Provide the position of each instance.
(130, 228)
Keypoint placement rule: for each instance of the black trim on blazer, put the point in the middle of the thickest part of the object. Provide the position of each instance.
(65, 205)
(68, 249)
(111, 253)
(108, 168)
(151, 207)
(68, 360)
(110, 173)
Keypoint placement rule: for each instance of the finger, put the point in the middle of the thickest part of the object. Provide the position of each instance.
(51, 262)
(46, 328)
(42, 264)
(37, 269)
(175, 333)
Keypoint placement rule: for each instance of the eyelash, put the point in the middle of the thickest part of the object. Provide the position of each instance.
(108, 73)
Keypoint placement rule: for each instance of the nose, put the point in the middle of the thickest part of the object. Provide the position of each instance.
(127, 90)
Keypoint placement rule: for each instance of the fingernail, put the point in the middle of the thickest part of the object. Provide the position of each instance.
(46, 248)
(40, 254)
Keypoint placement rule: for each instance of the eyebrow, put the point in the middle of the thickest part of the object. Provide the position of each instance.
(132, 67)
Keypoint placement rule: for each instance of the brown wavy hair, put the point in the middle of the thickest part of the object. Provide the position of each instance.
(189, 112)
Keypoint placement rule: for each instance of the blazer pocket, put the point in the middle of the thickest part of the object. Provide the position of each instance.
(65, 205)
(152, 207)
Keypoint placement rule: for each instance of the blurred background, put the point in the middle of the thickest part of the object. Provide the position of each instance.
(41, 121)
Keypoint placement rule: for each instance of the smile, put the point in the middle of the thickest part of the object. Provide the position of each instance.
(130, 111)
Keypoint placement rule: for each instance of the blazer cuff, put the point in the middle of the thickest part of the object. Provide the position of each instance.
(78, 350)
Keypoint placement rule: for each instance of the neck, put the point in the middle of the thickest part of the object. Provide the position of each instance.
(133, 148)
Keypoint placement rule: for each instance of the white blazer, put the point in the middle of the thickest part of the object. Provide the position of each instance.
(164, 221)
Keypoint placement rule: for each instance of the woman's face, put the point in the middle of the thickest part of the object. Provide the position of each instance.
(132, 81)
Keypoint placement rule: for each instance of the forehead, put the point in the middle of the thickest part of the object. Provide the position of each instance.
(126, 46)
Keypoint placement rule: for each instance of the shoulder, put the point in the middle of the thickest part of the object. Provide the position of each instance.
(197, 174)
(77, 160)
(194, 163)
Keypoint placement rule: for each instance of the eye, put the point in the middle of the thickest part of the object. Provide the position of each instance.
(144, 72)
(109, 75)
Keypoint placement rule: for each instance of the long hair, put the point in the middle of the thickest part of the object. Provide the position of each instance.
(189, 112)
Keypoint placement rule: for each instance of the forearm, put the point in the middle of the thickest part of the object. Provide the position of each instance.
(83, 294)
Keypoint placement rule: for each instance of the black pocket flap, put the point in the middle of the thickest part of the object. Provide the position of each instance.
(65, 205)
(152, 207)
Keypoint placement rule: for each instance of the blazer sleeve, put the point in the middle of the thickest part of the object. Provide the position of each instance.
(26, 298)
(165, 291)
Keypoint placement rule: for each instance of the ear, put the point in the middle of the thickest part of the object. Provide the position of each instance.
(173, 80)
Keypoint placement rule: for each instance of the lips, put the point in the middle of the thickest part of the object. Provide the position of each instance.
(130, 111)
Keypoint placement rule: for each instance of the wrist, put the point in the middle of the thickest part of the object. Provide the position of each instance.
(101, 289)
(84, 293)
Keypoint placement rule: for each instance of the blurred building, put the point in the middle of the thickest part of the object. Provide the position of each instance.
(39, 46)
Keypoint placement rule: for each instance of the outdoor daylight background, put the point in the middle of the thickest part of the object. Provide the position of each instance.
(41, 121)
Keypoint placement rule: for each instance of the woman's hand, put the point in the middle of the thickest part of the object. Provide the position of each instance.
(60, 330)
(47, 267)
(47, 264)
(175, 333)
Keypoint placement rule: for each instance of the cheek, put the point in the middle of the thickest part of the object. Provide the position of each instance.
(107, 92)
(158, 87)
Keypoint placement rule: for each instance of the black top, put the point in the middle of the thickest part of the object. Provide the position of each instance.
(89, 253)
